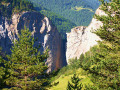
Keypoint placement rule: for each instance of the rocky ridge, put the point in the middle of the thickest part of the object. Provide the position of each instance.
(41, 28)
(81, 38)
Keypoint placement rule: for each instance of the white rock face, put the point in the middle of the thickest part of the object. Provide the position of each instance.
(81, 39)
(41, 27)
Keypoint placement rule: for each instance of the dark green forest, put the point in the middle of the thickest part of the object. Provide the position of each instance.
(77, 11)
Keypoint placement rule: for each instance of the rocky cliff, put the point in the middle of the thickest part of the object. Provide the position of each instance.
(81, 38)
(41, 28)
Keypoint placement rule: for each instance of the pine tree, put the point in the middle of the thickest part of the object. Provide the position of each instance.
(26, 64)
(106, 62)
(74, 85)
(103, 61)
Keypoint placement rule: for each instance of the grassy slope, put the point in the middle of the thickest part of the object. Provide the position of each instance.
(81, 8)
(64, 78)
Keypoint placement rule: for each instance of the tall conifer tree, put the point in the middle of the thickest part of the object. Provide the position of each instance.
(26, 64)
(75, 83)
(106, 62)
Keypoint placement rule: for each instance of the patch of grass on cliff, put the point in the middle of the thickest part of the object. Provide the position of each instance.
(76, 8)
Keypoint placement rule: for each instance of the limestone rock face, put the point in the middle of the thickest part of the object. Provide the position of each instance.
(41, 28)
(81, 38)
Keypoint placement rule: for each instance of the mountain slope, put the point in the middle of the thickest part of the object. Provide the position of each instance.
(67, 9)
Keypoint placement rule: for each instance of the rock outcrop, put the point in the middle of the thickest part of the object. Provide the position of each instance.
(81, 38)
(41, 28)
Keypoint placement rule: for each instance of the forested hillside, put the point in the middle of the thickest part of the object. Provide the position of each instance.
(63, 25)
(79, 12)
(66, 14)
